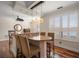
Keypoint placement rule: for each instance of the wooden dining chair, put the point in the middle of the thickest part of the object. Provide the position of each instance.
(35, 34)
(50, 45)
(18, 46)
(42, 33)
(10, 34)
(27, 49)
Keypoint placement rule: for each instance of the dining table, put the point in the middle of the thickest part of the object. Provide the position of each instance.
(43, 46)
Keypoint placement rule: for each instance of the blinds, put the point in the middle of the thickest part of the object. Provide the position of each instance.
(66, 24)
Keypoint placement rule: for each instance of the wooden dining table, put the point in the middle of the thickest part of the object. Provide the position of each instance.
(42, 39)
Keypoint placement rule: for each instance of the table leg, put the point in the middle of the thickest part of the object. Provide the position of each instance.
(43, 49)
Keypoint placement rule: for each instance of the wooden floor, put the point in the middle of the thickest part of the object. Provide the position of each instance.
(59, 52)
(4, 49)
(66, 53)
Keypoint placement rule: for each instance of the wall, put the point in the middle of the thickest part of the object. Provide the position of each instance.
(71, 45)
(8, 19)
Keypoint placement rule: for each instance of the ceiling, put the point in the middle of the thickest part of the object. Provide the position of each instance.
(44, 8)
(50, 6)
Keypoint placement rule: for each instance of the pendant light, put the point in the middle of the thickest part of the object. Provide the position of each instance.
(41, 19)
(38, 19)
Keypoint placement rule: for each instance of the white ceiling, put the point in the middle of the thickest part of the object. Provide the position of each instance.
(50, 6)
(44, 8)
(6, 11)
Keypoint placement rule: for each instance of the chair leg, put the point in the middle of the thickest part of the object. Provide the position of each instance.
(19, 53)
(39, 54)
(48, 50)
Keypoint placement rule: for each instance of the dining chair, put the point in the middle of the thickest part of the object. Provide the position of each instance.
(27, 49)
(50, 45)
(18, 46)
(42, 33)
(35, 34)
(10, 34)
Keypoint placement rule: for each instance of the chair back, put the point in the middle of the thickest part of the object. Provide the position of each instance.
(18, 44)
(51, 43)
(10, 34)
(35, 34)
(51, 35)
(24, 45)
(42, 33)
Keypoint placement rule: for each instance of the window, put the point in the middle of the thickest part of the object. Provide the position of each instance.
(73, 20)
(61, 34)
(65, 34)
(64, 21)
(57, 35)
(65, 27)
(72, 34)
(57, 22)
(51, 23)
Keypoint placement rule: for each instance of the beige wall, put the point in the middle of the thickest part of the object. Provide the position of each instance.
(8, 19)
